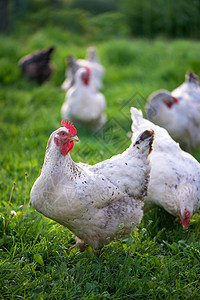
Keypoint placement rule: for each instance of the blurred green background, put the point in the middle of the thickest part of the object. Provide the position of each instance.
(101, 19)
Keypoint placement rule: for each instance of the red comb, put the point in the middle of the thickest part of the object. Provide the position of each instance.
(69, 125)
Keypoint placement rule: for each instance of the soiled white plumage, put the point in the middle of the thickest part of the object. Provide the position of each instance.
(178, 112)
(97, 203)
(91, 61)
(82, 104)
(175, 175)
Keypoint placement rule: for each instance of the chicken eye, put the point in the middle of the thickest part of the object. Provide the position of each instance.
(62, 133)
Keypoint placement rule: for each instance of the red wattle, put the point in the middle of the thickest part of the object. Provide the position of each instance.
(186, 221)
(71, 146)
(168, 104)
(66, 147)
(86, 81)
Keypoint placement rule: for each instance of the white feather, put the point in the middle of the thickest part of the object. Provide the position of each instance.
(175, 175)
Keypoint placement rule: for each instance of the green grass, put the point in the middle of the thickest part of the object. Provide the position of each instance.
(160, 260)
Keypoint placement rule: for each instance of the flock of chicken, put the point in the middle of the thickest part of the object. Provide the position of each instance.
(99, 202)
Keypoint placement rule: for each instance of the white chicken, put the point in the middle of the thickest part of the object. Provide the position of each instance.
(91, 62)
(97, 203)
(175, 175)
(82, 104)
(178, 112)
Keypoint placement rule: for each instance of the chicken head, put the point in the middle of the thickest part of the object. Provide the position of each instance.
(65, 137)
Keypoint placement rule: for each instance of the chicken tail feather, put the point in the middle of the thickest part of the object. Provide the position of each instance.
(144, 142)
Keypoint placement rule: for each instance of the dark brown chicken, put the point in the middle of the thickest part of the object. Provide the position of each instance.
(37, 66)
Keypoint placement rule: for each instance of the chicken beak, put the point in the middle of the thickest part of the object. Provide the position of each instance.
(74, 138)
(184, 227)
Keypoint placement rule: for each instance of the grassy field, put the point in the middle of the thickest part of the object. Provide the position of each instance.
(160, 260)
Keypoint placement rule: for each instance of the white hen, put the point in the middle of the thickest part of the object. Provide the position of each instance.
(91, 62)
(97, 203)
(175, 175)
(178, 112)
(82, 104)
